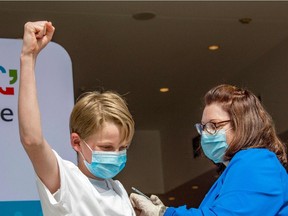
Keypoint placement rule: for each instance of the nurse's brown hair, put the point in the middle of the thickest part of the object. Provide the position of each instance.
(253, 126)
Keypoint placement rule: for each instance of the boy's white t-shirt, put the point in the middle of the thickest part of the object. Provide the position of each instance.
(80, 196)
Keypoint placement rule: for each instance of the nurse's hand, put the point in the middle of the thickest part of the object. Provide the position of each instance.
(155, 200)
(153, 207)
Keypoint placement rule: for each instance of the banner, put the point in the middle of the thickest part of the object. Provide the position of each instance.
(18, 191)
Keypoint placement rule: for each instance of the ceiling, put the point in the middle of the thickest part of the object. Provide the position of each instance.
(111, 50)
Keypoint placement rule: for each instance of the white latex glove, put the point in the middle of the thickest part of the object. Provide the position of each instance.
(147, 207)
(155, 200)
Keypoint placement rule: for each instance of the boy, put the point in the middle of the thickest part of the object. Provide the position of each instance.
(101, 129)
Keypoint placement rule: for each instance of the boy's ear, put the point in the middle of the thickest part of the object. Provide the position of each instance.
(75, 141)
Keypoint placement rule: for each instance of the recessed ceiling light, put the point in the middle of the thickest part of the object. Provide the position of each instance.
(195, 187)
(144, 16)
(171, 198)
(213, 47)
(164, 89)
(245, 20)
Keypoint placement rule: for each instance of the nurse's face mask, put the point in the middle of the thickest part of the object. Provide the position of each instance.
(105, 164)
(213, 140)
(214, 146)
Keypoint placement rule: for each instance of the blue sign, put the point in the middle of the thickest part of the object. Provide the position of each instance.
(21, 208)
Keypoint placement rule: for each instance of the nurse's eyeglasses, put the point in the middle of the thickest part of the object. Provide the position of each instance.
(210, 127)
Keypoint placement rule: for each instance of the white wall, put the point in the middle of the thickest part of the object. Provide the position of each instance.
(179, 164)
(144, 168)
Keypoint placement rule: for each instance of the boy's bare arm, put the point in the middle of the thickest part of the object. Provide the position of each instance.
(36, 36)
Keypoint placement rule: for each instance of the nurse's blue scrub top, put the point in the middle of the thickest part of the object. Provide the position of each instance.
(253, 183)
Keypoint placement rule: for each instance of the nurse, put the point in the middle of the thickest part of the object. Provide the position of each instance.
(236, 130)
(101, 129)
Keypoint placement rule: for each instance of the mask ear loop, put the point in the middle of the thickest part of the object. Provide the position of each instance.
(87, 145)
(82, 153)
(83, 156)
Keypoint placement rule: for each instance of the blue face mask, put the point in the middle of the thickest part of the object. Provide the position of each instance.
(214, 146)
(106, 164)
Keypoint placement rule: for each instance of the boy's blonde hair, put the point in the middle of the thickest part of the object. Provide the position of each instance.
(92, 109)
